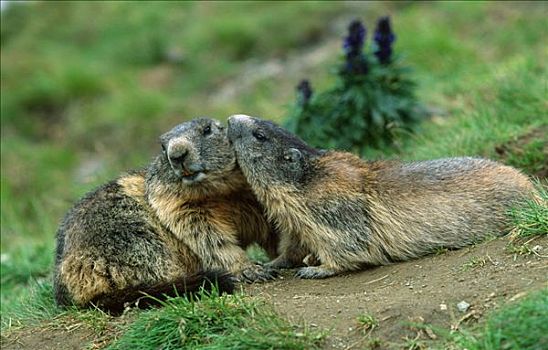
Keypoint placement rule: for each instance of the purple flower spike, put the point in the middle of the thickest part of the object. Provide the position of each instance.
(304, 91)
(384, 38)
(353, 45)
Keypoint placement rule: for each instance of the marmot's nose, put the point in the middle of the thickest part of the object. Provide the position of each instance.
(177, 158)
(235, 125)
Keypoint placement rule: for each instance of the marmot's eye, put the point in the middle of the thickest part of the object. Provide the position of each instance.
(207, 130)
(259, 135)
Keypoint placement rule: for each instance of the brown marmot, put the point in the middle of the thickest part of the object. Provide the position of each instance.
(350, 213)
(173, 225)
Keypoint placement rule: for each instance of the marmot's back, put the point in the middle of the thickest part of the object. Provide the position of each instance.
(443, 203)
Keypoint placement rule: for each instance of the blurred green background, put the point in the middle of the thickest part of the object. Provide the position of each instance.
(87, 87)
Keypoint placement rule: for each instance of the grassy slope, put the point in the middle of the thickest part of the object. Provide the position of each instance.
(75, 90)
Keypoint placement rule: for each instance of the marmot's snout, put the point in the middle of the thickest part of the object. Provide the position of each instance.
(177, 159)
(236, 126)
(178, 154)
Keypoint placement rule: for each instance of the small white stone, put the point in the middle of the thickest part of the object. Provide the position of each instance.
(443, 307)
(463, 306)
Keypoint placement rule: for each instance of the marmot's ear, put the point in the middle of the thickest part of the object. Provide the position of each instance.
(293, 155)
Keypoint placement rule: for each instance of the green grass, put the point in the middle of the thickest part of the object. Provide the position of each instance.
(519, 325)
(26, 284)
(212, 322)
(226, 322)
(473, 263)
(367, 323)
(531, 219)
(21, 312)
(531, 157)
(22, 265)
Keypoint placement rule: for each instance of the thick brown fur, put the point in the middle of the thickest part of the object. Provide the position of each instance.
(349, 213)
(167, 228)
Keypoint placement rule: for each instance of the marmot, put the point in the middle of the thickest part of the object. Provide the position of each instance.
(170, 226)
(350, 213)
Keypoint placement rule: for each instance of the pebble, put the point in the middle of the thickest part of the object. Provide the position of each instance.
(463, 306)
(443, 307)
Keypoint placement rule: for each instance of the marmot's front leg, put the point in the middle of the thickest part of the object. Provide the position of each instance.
(318, 268)
(222, 251)
(292, 253)
(328, 260)
(238, 263)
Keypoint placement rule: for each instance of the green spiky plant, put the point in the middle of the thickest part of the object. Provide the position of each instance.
(372, 100)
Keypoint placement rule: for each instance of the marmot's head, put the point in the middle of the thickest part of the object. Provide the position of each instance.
(268, 154)
(197, 150)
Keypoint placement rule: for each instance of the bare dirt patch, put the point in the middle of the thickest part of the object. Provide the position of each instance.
(47, 339)
(426, 291)
(66, 332)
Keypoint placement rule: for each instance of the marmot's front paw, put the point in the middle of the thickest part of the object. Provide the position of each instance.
(257, 273)
(314, 272)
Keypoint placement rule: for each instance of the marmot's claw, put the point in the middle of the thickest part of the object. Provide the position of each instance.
(313, 272)
(258, 273)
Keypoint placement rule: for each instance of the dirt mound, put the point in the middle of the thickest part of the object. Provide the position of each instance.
(426, 290)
